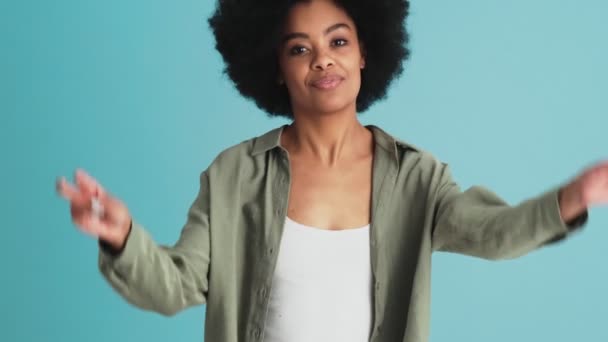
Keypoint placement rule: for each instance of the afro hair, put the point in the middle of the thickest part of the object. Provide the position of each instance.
(247, 33)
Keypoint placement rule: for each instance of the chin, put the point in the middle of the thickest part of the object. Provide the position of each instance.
(329, 108)
(327, 103)
(333, 104)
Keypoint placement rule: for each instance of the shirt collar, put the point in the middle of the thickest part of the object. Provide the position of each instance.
(271, 140)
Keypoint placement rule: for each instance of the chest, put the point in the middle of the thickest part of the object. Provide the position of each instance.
(331, 198)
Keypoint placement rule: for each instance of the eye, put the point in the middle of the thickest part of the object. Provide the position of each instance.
(297, 50)
(339, 42)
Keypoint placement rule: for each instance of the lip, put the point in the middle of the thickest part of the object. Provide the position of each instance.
(327, 82)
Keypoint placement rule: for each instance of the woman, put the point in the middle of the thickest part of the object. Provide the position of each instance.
(321, 230)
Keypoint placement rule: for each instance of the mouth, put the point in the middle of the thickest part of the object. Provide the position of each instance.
(327, 82)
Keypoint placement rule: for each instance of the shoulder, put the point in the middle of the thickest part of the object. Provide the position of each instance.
(418, 169)
(408, 152)
(242, 156)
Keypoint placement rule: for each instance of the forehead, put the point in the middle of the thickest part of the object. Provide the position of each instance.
(315, 16)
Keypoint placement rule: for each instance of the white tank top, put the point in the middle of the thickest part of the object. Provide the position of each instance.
(322, 286)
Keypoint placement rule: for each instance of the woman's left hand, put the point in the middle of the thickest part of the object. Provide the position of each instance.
(590, 188)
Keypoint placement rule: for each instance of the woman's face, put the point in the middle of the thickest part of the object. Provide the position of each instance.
(320, 58)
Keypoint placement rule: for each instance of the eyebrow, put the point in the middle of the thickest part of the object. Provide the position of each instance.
(327, 31)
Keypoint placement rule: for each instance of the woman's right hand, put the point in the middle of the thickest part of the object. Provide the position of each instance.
(114, 223)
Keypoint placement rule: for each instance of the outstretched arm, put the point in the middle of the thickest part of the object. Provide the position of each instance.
(161, 278)
(479, 223)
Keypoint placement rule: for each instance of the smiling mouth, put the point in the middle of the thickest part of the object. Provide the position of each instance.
(327, 83)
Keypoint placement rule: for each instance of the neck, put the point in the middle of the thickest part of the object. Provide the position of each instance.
(327, 139)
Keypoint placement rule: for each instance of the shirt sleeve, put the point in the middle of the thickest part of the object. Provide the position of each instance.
(479, 223)
(160, 278)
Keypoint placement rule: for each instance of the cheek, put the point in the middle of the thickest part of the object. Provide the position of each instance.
(353, 62)
(295, 74)
(352, 66)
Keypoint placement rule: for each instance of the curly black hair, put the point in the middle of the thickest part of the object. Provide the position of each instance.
(247, 33)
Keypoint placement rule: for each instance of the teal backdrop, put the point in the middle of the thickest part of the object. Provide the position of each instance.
(133, 92)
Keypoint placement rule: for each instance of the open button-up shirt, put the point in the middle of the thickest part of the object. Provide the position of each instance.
(227, 250)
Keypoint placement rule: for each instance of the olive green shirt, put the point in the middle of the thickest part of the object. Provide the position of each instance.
(227, 251)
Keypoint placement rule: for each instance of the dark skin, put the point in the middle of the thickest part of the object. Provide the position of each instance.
(330, 151)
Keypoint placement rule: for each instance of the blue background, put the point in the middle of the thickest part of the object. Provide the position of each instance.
(512, 94)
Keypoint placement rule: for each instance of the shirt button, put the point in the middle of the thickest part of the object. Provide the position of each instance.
(263, 292)
(257, 333)
(270, 251)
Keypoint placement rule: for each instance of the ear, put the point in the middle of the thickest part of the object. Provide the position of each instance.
(280, 80)
(363, 54)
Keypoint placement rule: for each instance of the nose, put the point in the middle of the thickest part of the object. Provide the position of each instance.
(322, 61)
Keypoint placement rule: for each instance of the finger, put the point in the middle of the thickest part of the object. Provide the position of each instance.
(110, 203)
(601, 165)
(97, 209)
(65, 189)
(71, 193)
(604, 175)
(601, 169)
(87, 184)
(87, 209)
(91, 225)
